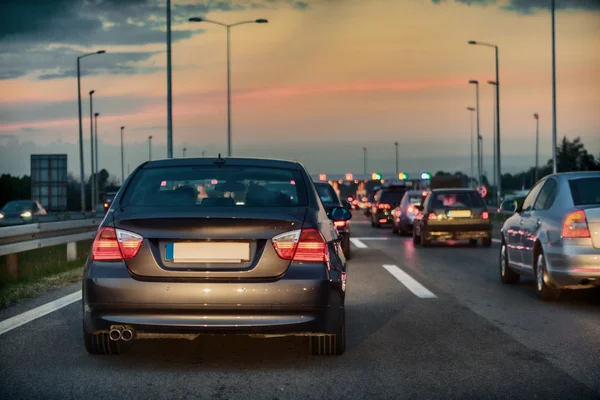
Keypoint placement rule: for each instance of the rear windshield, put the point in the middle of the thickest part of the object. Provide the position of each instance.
(389, 197)
(414, 198)
(585, 191)
(456, 200)
(327, 194)
(227, 186)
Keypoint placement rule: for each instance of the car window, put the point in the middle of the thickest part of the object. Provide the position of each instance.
(20, 205)
(585, 191)
(327, 194)
(227, 186)
(528, 202)
(547, 195)
(391, 197)
(445, 200)
(414, 198)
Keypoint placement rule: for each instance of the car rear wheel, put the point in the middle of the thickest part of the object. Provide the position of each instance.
(424, 242)
(486, 242)
(416, 239)
(473, 242)
(544, 292)
(507, 275)
(329, 345)
(395, 229)
(346, 248)
(100, 344)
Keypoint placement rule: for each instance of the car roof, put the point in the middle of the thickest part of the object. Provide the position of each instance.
(205, 161)
(453, 190)
(322, 184)
(575, 175)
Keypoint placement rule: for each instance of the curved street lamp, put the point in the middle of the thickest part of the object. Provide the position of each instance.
(479, 160)
(228, 27)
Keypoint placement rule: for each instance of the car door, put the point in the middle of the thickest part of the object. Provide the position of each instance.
(517, 239)
(533, 221)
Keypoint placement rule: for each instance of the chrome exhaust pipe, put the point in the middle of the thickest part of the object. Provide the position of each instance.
(115, 334)
(127, 335)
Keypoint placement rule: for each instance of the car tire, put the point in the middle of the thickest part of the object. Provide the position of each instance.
(507, 275)
(544, 292)
(473, 242)
(395, 229)
(329, 345)
(100, 344)
(346, 248)
(416, 239)
(486, 242)
(425, 242)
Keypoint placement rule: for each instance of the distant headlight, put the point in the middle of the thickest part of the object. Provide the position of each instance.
(26, 214)
(1, 215)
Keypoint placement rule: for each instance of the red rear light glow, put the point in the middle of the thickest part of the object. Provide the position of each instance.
(339, 224)
(411, 209)
(113, 244)
(383, 206)
(431, 216)
(485, 215)
(305, 245)
(575, 225)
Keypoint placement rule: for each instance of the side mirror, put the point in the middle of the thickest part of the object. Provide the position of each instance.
(509, 206)
(346, 204)
(340, 214)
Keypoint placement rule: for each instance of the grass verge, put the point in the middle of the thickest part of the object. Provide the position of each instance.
(41, 270)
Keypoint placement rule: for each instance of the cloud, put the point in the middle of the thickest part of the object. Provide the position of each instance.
(531, 6)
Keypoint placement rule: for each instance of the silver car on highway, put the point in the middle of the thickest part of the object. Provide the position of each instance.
(554, 236)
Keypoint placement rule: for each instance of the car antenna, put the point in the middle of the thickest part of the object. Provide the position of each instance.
(220, 161)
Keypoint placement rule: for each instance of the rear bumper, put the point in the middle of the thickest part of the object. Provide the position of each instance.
(383, 217)
(457, 232)
(573, 265)
(304, 301)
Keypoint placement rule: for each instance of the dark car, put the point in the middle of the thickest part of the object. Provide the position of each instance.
(453, 214)
(108, 199)
(18, 212)
(385, 200)
(216, 246)
(331, 200)
(406, 212)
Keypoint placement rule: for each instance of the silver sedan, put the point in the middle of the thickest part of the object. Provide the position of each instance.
(554, 236)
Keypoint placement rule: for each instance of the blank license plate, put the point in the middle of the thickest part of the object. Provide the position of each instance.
(459, 213)
(217, 252)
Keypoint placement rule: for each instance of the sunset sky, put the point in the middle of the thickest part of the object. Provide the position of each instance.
(317, 83)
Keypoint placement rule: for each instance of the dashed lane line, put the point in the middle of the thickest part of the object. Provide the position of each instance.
(411, 284)
(358, 243)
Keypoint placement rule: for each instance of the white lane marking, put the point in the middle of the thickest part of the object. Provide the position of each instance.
(410, 283)
(374, 238)
(28, 316)
(496, 240)
(357, 242)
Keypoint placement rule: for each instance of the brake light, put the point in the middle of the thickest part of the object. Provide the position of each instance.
(339, 224)
(305, 245)
(113, 244)
(384, 206)
(575, 225)
(431, 216)
(485, 215)
(411, 209)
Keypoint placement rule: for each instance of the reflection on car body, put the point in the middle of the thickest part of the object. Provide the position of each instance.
(257, 255)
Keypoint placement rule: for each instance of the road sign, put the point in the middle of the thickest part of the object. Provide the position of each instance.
(482, 190)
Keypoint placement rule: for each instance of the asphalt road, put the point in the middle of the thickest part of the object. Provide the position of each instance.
(475, 339)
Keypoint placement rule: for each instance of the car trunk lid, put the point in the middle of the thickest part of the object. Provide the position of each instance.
(592, 215)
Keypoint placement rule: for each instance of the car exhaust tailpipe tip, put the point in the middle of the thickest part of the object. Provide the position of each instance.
(115, 334)
(127, 335)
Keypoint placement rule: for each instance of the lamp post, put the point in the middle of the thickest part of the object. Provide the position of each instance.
(554, 164)
(471, 110)
(149, 148)
(228, 27)
(92, 177)
(494, 192)
(497, 139)
(397, 170)
(81, 168)
(479, 160)
(365, 161)
(97, 187)
(169, 86)
(122, 159)
(537, 146)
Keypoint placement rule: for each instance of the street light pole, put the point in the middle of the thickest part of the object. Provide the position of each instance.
(479, 159)
(149, 148)
(494, 185)
(497, 138)
(97, 187)
(471, 110)
(397, 169)
(92, 177)
(169, 86)
(228, 28)
(554, 165)
(537, 145)
(122, 159)
(365, 161)
(81, 167)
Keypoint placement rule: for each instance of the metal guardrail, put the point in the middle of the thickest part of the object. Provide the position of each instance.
(51, 217)
(16, 239)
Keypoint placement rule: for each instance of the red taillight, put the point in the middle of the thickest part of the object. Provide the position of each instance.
(113, 244)
(306, 245)
(575, 225)
(383, 206)
(485, 215)
(411, 209)
(431, 216)
(339, 224)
